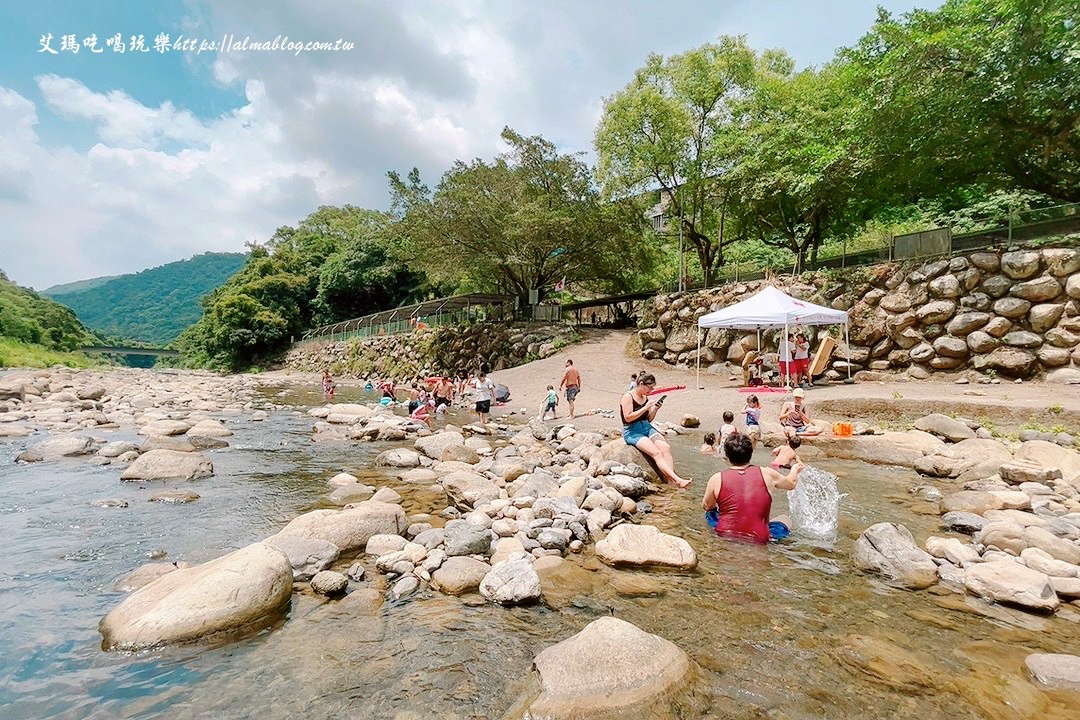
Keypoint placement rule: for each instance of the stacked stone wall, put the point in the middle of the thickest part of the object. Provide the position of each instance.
(431, 351)
(1014, 313)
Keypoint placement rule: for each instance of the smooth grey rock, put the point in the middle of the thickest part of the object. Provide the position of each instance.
(168, 465)
(56, 448)
(1054, 670)
(329, 583)
(464, 538)
(610, 669)
(512, 582)
(242, 590)
(1010, 582)
(888, 549)
(645, 545)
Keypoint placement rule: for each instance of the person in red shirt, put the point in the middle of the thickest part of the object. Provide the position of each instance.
(738, 500)
(571, 380)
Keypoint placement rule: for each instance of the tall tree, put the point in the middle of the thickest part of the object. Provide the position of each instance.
(983, 91)
(798, 164)
(525, 221)
(673, 128)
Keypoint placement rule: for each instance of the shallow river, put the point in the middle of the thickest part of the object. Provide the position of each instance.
(784, 631)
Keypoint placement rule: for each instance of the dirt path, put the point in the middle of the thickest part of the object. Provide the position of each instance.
(605, 369)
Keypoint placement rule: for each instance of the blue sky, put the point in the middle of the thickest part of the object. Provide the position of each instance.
(111, 163)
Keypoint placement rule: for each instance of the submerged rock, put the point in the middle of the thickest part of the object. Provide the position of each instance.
(645, 545)
(1054, 670)
(169, 465)
(239, 592)
(56, 448)
(610, 669)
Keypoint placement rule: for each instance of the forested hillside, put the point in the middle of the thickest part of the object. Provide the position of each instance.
(37, 331)
(154, 305)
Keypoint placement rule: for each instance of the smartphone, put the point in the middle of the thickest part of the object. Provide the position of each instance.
(661, 400)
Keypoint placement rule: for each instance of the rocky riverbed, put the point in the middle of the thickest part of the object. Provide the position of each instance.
(510, 515)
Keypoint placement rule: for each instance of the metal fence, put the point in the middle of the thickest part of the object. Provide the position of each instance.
(1016, 227)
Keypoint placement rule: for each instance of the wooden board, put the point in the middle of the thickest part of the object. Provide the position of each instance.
(821, 357)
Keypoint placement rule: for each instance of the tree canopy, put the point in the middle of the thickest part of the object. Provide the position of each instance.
(524, 221)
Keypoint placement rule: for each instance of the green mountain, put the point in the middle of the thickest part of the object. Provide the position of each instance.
(154, 305)
(77, 286)
(29, 318)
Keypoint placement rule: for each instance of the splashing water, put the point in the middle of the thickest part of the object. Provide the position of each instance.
(814, 504)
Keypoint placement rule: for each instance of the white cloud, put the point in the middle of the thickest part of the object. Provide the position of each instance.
(429, 82)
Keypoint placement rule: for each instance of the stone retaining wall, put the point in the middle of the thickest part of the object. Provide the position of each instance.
(426, 352)
(1014, 313)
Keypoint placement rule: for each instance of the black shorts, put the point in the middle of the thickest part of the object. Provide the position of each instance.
(483, 406)
(442, 401)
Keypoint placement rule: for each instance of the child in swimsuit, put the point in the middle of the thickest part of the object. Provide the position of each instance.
(784, 456)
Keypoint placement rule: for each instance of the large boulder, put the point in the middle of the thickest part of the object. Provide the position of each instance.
(645, 545)
(1051, 455)
(1008, 581)
(512, 582)
(618, 451)
(165, 428)
(239, 592)
(209, 428)
(461, 537)
(307, 556)
(168, 465)
(1021, 264)
(459, 575)
(398, 458)
(349, 529)
(469, 489)
(433, 445)
(610, 669)
(888, 549)
(1040, 289)
(1054, 670)
(944, 427)
(56, 448)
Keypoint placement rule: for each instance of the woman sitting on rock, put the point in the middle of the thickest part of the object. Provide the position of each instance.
(638, 410)
(738, 500)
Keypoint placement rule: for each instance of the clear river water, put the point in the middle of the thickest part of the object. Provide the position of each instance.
(785, 631)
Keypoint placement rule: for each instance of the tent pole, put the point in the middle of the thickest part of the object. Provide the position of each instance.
(699, 357)
(847, 343)
(787, 362)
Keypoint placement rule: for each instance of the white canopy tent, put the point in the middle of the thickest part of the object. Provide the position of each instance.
(771, 308)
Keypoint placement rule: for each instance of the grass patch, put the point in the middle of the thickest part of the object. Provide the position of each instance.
(15, 353)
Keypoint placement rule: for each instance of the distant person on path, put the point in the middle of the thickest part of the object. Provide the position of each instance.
(327, 383)
(485, 393)
(708, 445)
(738, 500)
(795, 416)
(752, 412)
(802, 359)
(571, 380)
(633, 382)
(637, 411)
(551, 401)
(784, 456)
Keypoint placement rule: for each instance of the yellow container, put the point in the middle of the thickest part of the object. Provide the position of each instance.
(842, 429)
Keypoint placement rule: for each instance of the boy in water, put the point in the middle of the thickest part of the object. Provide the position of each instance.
(550, 403)
(485, 393)
(728, 428)
(708, 447)
(784, 456)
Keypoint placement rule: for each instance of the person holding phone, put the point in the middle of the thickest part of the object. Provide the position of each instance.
(638, 410)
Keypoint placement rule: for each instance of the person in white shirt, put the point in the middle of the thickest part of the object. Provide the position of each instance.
(485, 393)
(802, 359)
(785, 353)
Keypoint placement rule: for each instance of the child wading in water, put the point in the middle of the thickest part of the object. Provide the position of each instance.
(728, 428)
(752, 411)
(550, 403)
(708, 447)
(784, 456)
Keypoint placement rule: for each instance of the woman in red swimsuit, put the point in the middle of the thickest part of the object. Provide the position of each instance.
(738, 500)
